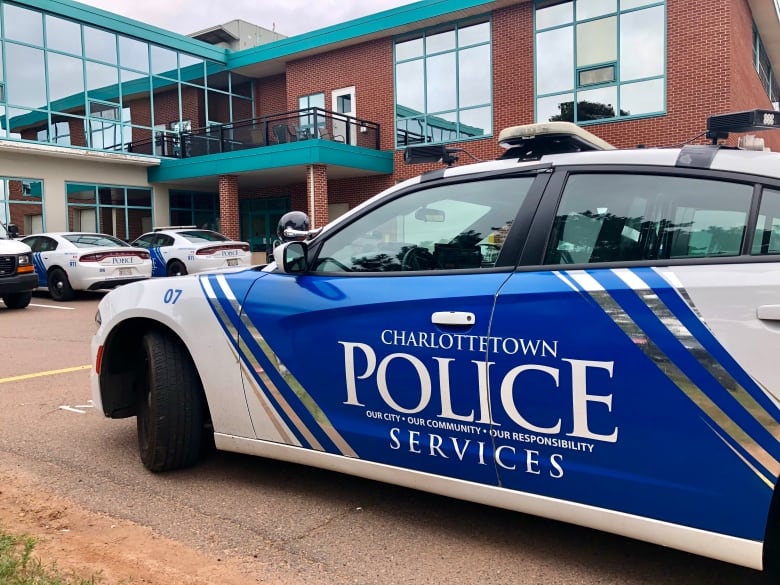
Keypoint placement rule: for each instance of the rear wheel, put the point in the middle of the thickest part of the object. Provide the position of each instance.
(177, 268)
(17, 300)
(170, 407)
(59, 286)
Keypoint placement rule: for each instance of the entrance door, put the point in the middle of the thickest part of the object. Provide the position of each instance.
(259, 220)
(344, 103)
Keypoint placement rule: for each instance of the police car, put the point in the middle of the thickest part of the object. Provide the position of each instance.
(66, 262)
(612, 364)
(181, 250)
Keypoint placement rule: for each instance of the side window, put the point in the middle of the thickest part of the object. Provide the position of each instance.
(620, 217)
(767, 236)
(143, 242)
(449, 227)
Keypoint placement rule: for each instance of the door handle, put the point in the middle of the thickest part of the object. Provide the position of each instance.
(458, 318)
(768, 312)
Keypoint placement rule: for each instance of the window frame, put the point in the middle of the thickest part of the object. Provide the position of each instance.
(513, 243)
(403, 122)
(617, 83)
(533, 254)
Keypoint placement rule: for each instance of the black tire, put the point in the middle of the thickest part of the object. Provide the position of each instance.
(59, 286)
(170, 405)
(17, 300)
(176, 268)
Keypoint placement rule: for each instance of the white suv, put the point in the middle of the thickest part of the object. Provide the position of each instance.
(17, 273)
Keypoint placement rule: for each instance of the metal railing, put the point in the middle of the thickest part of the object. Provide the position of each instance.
(284, 128)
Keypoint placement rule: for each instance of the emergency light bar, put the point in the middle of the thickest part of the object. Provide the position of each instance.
(430, 154)
(719, 127)
(532, 141)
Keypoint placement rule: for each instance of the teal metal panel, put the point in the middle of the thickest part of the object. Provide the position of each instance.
(120, 24)
(386, 21)
(308, 152)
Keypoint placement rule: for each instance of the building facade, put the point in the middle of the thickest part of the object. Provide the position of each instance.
(114, 125)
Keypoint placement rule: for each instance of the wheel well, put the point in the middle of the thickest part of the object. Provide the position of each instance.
(120, 367)
(771, 553)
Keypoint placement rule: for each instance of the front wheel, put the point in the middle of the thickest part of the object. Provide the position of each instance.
(177, 268)
(170, 405)
(59, 286)
(17, 300)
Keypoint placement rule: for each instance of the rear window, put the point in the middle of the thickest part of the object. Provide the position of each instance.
(200, 236)
(93, 240)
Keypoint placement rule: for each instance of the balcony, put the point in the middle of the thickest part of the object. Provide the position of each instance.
(276, 129)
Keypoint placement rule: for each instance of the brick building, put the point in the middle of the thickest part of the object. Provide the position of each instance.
(114, 125)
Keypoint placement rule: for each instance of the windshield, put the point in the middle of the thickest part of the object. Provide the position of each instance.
(94, 240)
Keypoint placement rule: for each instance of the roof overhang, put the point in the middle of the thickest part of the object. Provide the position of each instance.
(272, 58)
(81, 154)
(282, 164)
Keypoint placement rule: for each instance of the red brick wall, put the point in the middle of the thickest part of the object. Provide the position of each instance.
(368, 67)
(271, 96)
(228, 206)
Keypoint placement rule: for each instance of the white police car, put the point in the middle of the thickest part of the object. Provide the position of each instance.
(613, 365)
(180, 250)
(66, 262)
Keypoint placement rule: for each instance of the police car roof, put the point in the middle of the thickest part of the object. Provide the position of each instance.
(761, 163)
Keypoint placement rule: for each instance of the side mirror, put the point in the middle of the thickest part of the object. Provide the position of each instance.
(13, 230)
(290, 257)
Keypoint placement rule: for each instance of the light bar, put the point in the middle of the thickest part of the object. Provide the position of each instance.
(532, 141)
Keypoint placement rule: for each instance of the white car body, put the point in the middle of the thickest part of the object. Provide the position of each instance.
(66, 262)
(636, 394)
(188, 250)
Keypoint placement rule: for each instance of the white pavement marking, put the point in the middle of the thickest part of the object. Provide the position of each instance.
(77, 408)
(53, 307)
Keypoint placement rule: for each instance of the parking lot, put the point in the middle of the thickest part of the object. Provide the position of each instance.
(236, 519)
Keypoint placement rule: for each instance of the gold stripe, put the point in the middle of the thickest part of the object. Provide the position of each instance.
(309, 403)
(684, 383)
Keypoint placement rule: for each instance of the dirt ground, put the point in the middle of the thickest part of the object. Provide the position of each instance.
(116, 552)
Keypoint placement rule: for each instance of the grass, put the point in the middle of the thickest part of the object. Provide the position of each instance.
(18, 566)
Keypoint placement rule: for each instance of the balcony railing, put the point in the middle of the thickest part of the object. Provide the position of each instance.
(307, 124)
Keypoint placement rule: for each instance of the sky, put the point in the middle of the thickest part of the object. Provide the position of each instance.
(288, 17)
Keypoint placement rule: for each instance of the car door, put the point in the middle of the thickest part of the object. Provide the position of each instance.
(376, 353)
(43, 247)
(615, 381)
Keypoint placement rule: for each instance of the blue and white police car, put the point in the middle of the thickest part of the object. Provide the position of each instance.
(612, 363)
(182, 250)
(66, 262)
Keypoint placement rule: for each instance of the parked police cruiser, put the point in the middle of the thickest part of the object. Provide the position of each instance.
(573, 331)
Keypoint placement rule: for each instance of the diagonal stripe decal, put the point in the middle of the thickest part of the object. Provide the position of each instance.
(637, 317)
(259, 362)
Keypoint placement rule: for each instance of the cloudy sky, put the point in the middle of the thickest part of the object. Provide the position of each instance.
(290, 17)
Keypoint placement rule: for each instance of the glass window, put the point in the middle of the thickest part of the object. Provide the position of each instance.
(115, 210)
(63, 35)
(641, 47)
(21, 203)
(449, 227)
(100, 45)
(133, 54)
(767, 237)
(164, 62)
(26, 76)
(23, 25)
(443, 84)
(586, 43)
(620, 217)
(102, 81)
(66, 81)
